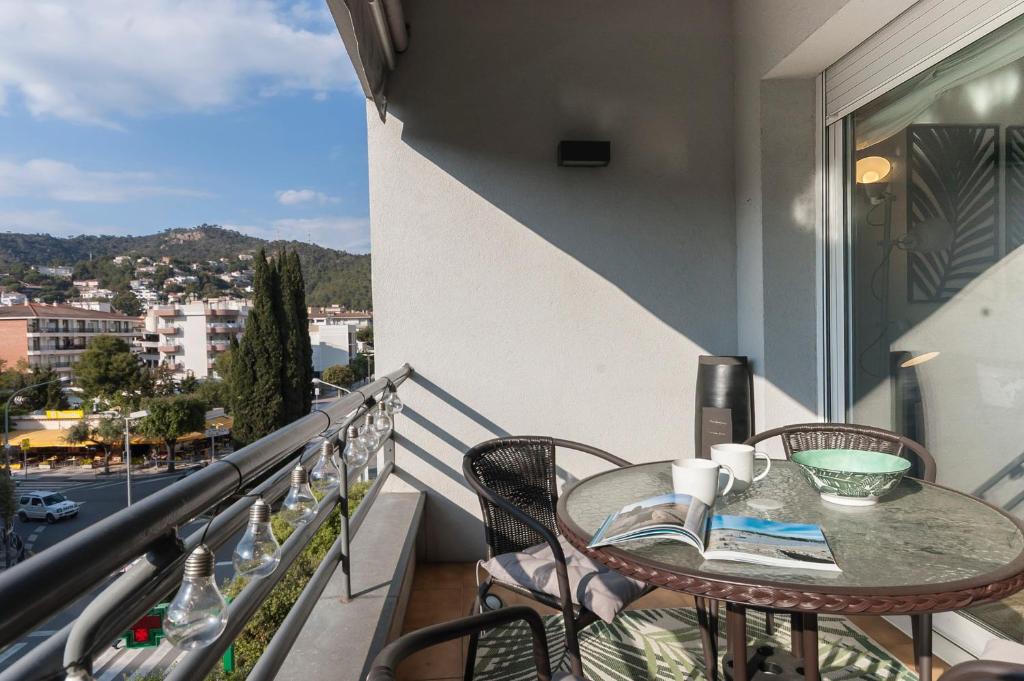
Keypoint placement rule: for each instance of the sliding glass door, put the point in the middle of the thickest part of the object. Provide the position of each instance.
(933, 189)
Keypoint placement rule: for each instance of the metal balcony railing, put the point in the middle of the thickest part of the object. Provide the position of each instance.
(34, 591)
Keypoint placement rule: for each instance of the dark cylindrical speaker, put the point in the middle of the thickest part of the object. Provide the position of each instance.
(725, 402)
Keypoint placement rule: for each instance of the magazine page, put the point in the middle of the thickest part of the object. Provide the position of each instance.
(767, 542)
(667, 516)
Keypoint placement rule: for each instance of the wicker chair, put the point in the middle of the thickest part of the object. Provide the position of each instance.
(804, 436)
(515, 480)
(383, 666)
(985, 670)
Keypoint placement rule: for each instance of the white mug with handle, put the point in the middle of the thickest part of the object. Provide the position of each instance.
(700, 479)
(740, 458)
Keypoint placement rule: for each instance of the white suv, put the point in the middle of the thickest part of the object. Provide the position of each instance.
(48, 506)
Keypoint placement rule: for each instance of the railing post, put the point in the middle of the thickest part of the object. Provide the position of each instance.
(346, 548)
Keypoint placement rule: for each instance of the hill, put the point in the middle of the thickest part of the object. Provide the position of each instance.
(331, 276)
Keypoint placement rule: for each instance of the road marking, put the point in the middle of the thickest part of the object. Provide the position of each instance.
(10, 650)
(119, 663)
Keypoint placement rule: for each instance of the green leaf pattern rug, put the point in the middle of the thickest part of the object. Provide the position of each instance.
(664, 644)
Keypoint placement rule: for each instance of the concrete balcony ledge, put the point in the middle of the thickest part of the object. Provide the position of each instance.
(340, 639)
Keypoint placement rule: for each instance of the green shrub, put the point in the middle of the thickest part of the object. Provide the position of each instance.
(261, 628)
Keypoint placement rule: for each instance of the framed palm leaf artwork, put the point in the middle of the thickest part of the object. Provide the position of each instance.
(952, 179)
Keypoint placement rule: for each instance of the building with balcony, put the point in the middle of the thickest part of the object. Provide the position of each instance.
(188, 337)
(56, 335)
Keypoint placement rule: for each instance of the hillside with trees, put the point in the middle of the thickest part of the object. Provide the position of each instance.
(331, 277)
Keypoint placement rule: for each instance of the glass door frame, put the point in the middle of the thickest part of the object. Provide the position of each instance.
(957, 638)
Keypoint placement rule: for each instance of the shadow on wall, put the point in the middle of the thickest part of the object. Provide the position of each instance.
(487, 90)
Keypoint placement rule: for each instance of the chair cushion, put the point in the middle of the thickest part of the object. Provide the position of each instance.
(1001, 650)
(595, 587)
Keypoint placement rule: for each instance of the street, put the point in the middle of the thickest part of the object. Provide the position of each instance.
(99, 496)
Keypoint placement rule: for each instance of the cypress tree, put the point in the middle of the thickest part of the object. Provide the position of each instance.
(257, 399)
(296, 369)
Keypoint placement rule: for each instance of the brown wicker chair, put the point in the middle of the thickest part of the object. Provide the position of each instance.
(804, 436)
(515, 480)
(383, 666)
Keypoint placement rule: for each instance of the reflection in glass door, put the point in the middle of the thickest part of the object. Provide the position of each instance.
(935, 270)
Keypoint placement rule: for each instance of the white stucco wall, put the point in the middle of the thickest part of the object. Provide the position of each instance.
(577, 300)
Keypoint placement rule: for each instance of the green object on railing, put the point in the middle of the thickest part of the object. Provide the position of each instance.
(229, 659)
(149, 631)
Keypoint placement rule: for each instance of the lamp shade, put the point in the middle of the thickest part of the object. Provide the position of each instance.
(873, 169)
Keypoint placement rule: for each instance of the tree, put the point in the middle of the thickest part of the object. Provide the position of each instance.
(297, 364)
(222, 363)
(125, 301)
(257, 402)
(108, 370)
(107, 432)
(365, 335)
(214, 393)
(170, 418)
(188, 384)
(361, 366)
(339, 374)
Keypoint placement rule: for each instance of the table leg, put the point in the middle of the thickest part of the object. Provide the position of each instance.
(736, 626)
(708, 621)
(810, 646)
(796, 636)
(921, 630)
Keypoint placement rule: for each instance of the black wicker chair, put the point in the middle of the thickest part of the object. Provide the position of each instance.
(804, 436)
(383, 666)
(515, 480)
(985, 670)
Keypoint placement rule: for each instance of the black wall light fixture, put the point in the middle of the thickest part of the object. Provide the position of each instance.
(584, 153)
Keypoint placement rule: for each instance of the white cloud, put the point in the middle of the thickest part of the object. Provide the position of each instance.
(95, 61)
(343, 233)
(292, 197)
(60, 181)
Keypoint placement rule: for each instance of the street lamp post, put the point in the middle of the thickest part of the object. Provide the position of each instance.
(320, 381)
(128, 418)
(7, 421)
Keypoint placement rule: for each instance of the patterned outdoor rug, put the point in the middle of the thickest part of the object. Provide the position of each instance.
(665, 644)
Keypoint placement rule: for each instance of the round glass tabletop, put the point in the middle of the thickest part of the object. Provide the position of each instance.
(920, 539)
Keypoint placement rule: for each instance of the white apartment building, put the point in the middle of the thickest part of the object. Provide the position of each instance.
(332, 335)
(192, 335)
(13, 298)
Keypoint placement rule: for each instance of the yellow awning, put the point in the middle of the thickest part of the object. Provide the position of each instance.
(39, 439)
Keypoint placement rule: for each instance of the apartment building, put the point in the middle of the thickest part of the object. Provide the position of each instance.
(56, 335)
(192, 335)
(332, 335)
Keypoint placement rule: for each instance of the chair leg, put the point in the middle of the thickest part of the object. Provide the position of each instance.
(810, 636)
(474, 639)
(796, 636)
(769, 623)
(921, 629)
(708, 623)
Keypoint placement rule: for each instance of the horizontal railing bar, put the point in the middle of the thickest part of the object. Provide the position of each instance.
(34, 590)
(111, 615)
(368, 499)
(199, 662)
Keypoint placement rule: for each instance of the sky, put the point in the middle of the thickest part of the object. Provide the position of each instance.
(133, 116)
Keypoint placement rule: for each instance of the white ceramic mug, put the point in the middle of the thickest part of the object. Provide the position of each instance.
(740, 458)
(699, 479)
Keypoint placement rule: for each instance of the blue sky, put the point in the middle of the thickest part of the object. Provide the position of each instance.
(132, 116)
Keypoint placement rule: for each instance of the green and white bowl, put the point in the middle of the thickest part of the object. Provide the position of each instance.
(851, 477)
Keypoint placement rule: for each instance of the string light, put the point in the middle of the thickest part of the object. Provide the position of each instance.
(325, 474)
(257, 553)
(198, 613)
(299, 505)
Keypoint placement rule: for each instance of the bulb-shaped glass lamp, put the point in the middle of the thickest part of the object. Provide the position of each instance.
(369, 435)
(257, 552)
(393, 401)
(355, 448)
(299, 505)
(325, 474)
(382, 422)
(76, 673)
(198, 613)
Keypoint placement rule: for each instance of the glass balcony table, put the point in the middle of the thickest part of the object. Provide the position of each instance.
(922, 549)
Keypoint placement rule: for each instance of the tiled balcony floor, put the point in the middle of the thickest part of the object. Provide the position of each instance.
(444, 591)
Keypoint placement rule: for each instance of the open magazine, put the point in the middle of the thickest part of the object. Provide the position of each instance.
(719, 537)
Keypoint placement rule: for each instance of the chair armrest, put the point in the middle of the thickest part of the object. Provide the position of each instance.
(594, 451)
(383, 666)
(985, 670)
